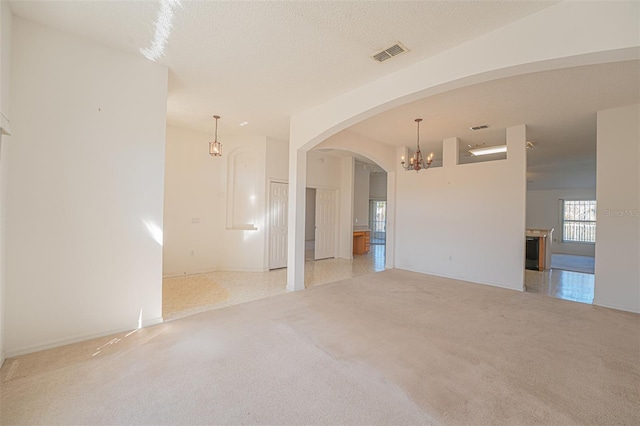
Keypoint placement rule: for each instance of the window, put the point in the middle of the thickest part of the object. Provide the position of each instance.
(378, 221)
(579, 221)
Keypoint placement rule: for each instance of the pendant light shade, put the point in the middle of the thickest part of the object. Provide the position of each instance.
(215, 147)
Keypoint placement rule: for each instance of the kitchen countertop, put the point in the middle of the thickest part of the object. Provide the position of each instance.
(538, 232)
(361, 229)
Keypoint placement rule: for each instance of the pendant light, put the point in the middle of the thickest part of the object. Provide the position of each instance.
(215, 147)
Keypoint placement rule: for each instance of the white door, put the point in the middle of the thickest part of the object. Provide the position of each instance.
(325, 224)
(279, 196)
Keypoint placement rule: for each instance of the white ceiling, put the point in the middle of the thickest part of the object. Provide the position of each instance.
(261, 62)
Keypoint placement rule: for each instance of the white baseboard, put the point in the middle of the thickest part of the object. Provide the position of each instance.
(208, 271)
(465, 279)
(617, 308)
(80, 338)
(245, 270)
(186, 274)
(152, 322)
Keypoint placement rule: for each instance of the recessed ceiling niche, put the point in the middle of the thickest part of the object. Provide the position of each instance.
(242, 194)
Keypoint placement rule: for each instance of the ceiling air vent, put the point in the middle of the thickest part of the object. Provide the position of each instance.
(390, 52)
(484, 126)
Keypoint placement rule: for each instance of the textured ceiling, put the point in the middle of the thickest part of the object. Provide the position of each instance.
(261, 62)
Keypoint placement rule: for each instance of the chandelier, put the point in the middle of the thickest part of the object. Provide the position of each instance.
(215, 147)
(417, 162)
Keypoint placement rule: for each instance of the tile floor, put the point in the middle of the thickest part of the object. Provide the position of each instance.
(567, 285)
(567, 262)
(184, 296)
(191, 294)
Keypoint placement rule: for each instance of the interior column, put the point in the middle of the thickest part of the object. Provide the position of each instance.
(295, 237)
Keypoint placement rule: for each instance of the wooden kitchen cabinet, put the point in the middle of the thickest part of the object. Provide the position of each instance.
(361, 242)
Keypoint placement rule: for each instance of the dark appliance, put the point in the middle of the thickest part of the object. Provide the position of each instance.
(533, 253)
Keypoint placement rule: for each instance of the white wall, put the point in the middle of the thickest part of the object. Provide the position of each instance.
(345, 235)
(194, 203)
(4, 140)
(244, 249)
(465, 221)
(84, 254)
(6, 20)
(390, 243)
(277, 160)
(617, 270)
(378, 186)
(544, 212)
(361, 196)
(199, 234)
(323, 170)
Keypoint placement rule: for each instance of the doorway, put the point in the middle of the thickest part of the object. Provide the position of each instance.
(568, 217)
(378, 221)
(310, 224)
(320, 224)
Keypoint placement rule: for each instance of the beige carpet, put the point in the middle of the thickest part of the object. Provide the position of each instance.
(388, 348)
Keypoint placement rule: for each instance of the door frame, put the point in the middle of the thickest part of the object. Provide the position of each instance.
(268, 218)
